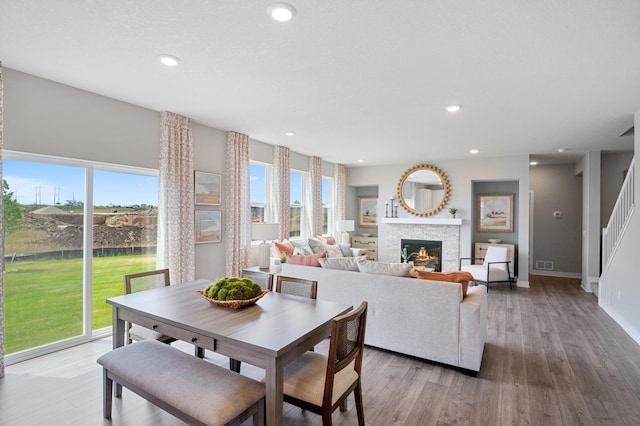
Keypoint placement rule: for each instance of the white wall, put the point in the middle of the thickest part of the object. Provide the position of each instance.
(589, 168)
(618, 289)
(461, 173)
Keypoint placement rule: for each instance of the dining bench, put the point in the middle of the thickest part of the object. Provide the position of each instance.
(193, 390)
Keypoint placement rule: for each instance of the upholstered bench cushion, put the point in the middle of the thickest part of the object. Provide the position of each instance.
(196, 387)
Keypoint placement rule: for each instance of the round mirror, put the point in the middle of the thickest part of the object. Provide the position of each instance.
(423, 190)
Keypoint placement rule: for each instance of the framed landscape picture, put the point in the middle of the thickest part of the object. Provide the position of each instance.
(208, 188)
(208, 226)
(367, 212)
(495, 212)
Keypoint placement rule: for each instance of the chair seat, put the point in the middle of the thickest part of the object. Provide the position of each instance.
(304, 379)
(139, 333)
(479, 272)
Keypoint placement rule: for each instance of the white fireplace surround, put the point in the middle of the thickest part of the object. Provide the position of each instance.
(391, 231)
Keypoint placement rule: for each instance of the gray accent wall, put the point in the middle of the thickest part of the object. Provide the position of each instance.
(556, 188)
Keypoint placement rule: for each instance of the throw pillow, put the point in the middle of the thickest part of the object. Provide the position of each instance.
(316, 246)
(303, 245)
(341, 263)
(384, 268)
(327, 241)
(452, 277)
(308, 260)
(346, 249)
(284, 247)
(333, 251)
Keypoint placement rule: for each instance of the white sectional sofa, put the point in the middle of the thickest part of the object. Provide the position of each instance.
(423, 318)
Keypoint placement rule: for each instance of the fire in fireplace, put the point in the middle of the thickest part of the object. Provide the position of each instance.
(422, 253)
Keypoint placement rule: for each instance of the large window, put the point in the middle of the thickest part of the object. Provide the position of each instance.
(258, 191)
(296, 204)
(48, 203)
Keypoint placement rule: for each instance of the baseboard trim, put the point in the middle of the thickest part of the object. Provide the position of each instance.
(556, 274)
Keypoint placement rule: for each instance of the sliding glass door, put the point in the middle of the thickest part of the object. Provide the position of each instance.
(57, 277)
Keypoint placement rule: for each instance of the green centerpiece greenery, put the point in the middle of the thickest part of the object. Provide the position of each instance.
(232, 288)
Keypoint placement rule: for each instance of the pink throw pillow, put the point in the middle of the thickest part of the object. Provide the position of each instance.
(284, 247)
(306, 260)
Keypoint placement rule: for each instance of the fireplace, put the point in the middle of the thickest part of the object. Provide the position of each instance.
(425, 253)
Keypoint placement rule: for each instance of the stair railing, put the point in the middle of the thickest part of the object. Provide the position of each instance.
(619, 217)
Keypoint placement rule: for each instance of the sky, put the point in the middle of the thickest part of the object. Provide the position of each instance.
(48, 184)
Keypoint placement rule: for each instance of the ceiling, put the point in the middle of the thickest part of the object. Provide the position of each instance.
(359, 79)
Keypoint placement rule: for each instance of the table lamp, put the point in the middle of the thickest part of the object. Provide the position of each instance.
(264, 232)
(344, 226)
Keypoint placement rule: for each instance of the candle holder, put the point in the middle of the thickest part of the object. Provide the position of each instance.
(386, 209)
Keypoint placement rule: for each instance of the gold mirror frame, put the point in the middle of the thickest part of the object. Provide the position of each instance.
(439, 206)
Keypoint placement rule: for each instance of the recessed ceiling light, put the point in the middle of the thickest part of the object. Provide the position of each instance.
(562, 149)
(453, 108)
(533, 163)
(169, 60)
(360, 161)
(289, 133)
(474, 151)
(282, 12)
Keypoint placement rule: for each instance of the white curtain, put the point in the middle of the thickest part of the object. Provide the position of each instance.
(315, 177)
(340, 192)
(176, 235)
(237, 207)
(1, 243)
(280, 189)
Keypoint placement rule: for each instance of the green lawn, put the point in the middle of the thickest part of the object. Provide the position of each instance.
(43, 299)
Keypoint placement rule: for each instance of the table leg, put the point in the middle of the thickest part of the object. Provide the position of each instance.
(118, 340)
(273, 390)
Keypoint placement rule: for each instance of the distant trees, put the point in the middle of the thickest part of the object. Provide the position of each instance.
(12, 211)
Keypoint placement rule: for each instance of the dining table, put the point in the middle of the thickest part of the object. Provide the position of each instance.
(269, 334)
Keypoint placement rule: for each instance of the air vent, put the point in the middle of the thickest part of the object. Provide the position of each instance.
(544, 265)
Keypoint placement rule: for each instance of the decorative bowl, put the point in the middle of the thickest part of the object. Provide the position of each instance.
(366, 234)
(494, 240)
(233, 304)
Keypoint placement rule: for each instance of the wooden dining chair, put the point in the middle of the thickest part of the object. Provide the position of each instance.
(142, 281)
(321, 383)
(297, 286)
(265, 281)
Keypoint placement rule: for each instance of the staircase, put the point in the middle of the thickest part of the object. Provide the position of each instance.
(619, 218)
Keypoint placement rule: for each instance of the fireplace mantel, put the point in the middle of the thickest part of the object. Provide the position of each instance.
(421, 221)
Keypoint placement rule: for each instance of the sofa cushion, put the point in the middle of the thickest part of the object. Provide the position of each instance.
(327, 241)
(306, 260)
(333, 251)
(453, 277)
(316, 245)
(284, 247)
(384, 268)
(303, 246)
(342, 263)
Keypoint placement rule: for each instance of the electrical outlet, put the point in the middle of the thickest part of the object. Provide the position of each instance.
(557, 215)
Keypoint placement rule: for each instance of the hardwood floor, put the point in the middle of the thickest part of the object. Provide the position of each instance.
(553, 357)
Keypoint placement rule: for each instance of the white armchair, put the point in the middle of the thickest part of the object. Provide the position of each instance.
(494, 269)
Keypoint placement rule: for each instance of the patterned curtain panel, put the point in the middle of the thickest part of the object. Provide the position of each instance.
(176, 230)
(280, 190)
(340, 192)
(315, 173)
(1, 243)
(237, 207)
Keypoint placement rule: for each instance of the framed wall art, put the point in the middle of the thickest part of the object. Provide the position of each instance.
(208, 224)
(495, 212)
(367, 212)
(208, 188)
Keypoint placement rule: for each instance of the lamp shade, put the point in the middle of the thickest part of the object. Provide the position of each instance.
(345, 225)
(264, 231)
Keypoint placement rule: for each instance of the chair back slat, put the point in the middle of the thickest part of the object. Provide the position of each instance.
(265, 281)
(347, 337)
(146, 280)
(297, 286)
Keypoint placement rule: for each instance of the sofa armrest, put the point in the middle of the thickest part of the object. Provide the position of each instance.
(473, 327)
(355, 252)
